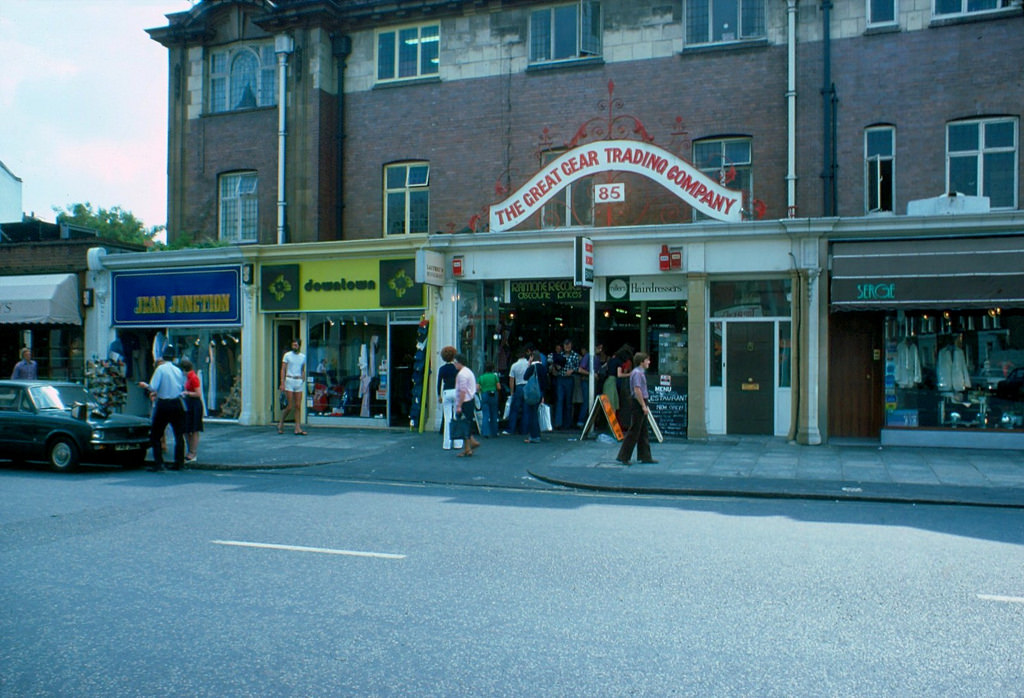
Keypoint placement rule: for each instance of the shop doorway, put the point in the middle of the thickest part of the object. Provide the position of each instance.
(284, 332)
(401, 350)
(750, 377)
(855, 375)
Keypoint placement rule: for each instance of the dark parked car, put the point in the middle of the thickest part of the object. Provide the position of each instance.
(1012, 387)
(64, 425)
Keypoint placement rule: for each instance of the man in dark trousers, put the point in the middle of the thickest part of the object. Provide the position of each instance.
(167, 388)
(637, 435)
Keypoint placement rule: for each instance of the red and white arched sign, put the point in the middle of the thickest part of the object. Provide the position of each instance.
(675, 174)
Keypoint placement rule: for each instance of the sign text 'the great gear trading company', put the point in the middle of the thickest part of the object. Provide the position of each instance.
(675, 174)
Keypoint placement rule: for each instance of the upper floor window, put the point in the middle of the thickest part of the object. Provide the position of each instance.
(239, 207)
(565, 32)
(981, 159)
(406, 53)
(968, 7)
(573, 205)
(879, 163)
(244, 77)
(881, 12)
(722, 21)
(406, 198)
(728, 162)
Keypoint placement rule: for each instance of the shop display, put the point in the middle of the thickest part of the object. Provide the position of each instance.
(350, 374)
(106, 380)
(419, 372)
(954, 370)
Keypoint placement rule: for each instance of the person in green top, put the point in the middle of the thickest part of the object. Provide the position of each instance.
(487, 388)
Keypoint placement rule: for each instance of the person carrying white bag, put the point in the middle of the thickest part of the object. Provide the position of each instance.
(533, 398)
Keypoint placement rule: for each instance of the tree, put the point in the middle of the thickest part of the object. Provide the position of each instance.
(112, 224)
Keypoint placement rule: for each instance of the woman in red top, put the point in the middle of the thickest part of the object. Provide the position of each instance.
(193, 410)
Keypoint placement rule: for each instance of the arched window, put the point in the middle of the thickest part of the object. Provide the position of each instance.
(243, 77)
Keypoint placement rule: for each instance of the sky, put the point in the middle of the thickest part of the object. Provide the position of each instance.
(83, 104)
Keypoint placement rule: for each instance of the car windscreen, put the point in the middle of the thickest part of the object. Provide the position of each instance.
(60, 397)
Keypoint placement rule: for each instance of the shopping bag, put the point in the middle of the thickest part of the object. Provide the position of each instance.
(544, 413)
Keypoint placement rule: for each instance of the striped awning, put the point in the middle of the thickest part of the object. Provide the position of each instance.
(40, 299)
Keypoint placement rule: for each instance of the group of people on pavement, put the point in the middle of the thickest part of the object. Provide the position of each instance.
(176, 394)
(533, 379)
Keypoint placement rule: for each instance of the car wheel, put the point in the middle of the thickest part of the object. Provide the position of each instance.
(62, 454)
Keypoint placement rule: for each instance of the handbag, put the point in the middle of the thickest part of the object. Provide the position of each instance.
(531, 391)
(544, 414)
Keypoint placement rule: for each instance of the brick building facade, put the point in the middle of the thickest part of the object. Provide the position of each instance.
(411, 119)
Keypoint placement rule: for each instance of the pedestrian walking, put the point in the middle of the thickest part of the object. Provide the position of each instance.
(293, 384)
(26, 369)
(446, 375)
(637, 436)
(193, 410)
(465, 405)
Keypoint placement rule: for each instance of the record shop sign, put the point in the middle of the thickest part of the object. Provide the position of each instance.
(546, 292)
(190, 297)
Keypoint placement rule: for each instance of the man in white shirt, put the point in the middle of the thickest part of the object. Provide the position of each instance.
(515, 384)
(166, 388)
(293, 383)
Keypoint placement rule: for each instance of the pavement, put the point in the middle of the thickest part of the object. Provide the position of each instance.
(719, 466)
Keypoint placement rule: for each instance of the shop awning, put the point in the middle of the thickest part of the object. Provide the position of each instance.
(41, 299)
(928, 273)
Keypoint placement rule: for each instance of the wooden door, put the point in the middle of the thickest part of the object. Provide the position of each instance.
(750, 378)
(856, 375)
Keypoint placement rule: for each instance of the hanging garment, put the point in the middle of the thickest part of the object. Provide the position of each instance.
(951, 370)
(908, 364)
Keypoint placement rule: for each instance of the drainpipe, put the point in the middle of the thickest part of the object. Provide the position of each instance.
(828, 100)
(791, 118)
(341, 47)
(283, 45)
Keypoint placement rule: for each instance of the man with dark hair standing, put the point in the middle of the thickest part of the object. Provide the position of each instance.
(637, 435)
(566, 368)
(167, 388)
(293, 385)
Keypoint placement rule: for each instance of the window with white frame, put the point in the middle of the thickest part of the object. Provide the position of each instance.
(408, 52)
(406, 198)
(239, 208)
(565, 32)
(722, 21)
(879, 165)
(243, 77)
(573, 205)
(881, 12)
(728, 162)
(981, 159)
(953, 8)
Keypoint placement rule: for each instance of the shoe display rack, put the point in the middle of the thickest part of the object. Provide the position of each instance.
(106, 380)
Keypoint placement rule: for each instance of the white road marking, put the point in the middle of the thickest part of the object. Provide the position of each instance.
(304, 549)
(1005, 599)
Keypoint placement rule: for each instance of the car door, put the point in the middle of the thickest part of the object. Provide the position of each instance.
(35, 425)
(13, 430)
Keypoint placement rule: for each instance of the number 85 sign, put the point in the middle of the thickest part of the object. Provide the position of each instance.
(610, 193)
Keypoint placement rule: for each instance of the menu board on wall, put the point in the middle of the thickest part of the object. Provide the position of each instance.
(668, 405)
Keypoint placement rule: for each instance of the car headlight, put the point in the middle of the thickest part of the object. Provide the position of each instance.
(97, 435)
